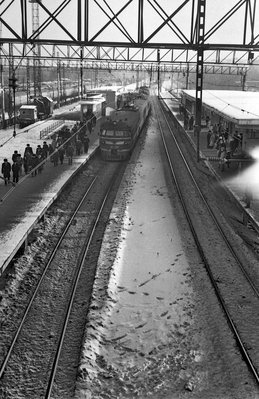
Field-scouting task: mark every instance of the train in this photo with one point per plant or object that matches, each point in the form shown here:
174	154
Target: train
40	108
120	130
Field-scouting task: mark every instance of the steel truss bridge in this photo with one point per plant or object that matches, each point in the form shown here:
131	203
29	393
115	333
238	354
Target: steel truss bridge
131	31
162	35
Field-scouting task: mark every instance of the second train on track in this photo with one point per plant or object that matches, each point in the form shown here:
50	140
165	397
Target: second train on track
120	130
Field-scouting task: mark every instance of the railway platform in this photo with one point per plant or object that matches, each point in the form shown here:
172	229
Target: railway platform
23	205
240	177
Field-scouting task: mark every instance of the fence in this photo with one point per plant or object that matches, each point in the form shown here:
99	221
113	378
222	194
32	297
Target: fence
49	129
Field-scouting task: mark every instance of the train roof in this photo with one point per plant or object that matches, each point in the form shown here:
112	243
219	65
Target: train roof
106	88
241	107
124	118
28	106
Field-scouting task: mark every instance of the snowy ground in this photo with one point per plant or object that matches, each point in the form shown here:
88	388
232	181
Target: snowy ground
150	332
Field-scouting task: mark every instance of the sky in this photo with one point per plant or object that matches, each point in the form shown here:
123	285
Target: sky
68	17
230	32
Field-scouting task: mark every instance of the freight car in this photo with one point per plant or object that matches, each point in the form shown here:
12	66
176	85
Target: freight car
119	131
41	108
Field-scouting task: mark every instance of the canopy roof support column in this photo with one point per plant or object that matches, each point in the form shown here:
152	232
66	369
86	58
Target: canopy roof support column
199	70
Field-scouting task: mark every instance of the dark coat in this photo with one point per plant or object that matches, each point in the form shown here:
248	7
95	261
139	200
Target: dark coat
15	168
6	169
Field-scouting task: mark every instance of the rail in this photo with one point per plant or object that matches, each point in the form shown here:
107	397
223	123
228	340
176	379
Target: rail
49	129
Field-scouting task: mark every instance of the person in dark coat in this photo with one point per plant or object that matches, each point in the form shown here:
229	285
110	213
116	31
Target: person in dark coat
86	144
69	153
40	163
51	149
20	163
45	149
28	150
34	161
38	150
54	158
15	170
78	147
61	154
14	156
6	171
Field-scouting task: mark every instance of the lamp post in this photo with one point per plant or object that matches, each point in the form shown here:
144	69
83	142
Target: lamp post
13	85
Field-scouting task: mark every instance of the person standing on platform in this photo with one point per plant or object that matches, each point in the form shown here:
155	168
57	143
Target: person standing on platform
15	170
45	149
51	149
28	152
6	171
20	163
69	153
55	157
34	161
61	154
41	158
38	150
78	147
14	156
86	144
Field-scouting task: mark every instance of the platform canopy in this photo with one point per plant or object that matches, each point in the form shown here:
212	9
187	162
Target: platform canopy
240	107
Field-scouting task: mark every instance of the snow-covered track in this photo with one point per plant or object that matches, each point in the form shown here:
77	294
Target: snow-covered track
237	289
47	342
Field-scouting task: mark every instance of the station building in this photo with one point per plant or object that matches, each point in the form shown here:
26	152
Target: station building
237	111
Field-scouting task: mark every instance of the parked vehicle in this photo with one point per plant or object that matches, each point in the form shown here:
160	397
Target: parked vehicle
41	108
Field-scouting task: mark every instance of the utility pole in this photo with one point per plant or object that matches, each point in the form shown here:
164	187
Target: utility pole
158	71
37	49
13	85
200	32
3	95
2	81
58	81
243	80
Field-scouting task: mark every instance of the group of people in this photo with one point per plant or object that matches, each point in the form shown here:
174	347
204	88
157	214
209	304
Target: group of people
225	144
33	161
188	119
28	162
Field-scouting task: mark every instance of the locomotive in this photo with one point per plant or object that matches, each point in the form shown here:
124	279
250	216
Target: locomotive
119	131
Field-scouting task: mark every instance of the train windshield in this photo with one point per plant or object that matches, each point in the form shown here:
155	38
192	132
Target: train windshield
115	133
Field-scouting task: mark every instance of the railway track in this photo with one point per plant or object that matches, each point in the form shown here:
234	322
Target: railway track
42	355
229	270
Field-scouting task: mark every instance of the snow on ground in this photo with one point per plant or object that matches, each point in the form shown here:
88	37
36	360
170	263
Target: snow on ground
28	135
134	323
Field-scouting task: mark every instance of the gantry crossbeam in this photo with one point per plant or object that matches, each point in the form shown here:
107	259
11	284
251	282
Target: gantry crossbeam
132	30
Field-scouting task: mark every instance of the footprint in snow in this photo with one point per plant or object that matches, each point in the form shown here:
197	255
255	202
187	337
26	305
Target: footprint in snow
141	325
164	314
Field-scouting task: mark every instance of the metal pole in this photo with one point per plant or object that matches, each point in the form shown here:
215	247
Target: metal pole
14	120
3	97
199	71
81	73
158	71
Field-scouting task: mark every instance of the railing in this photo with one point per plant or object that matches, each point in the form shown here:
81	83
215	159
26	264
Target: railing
49	129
